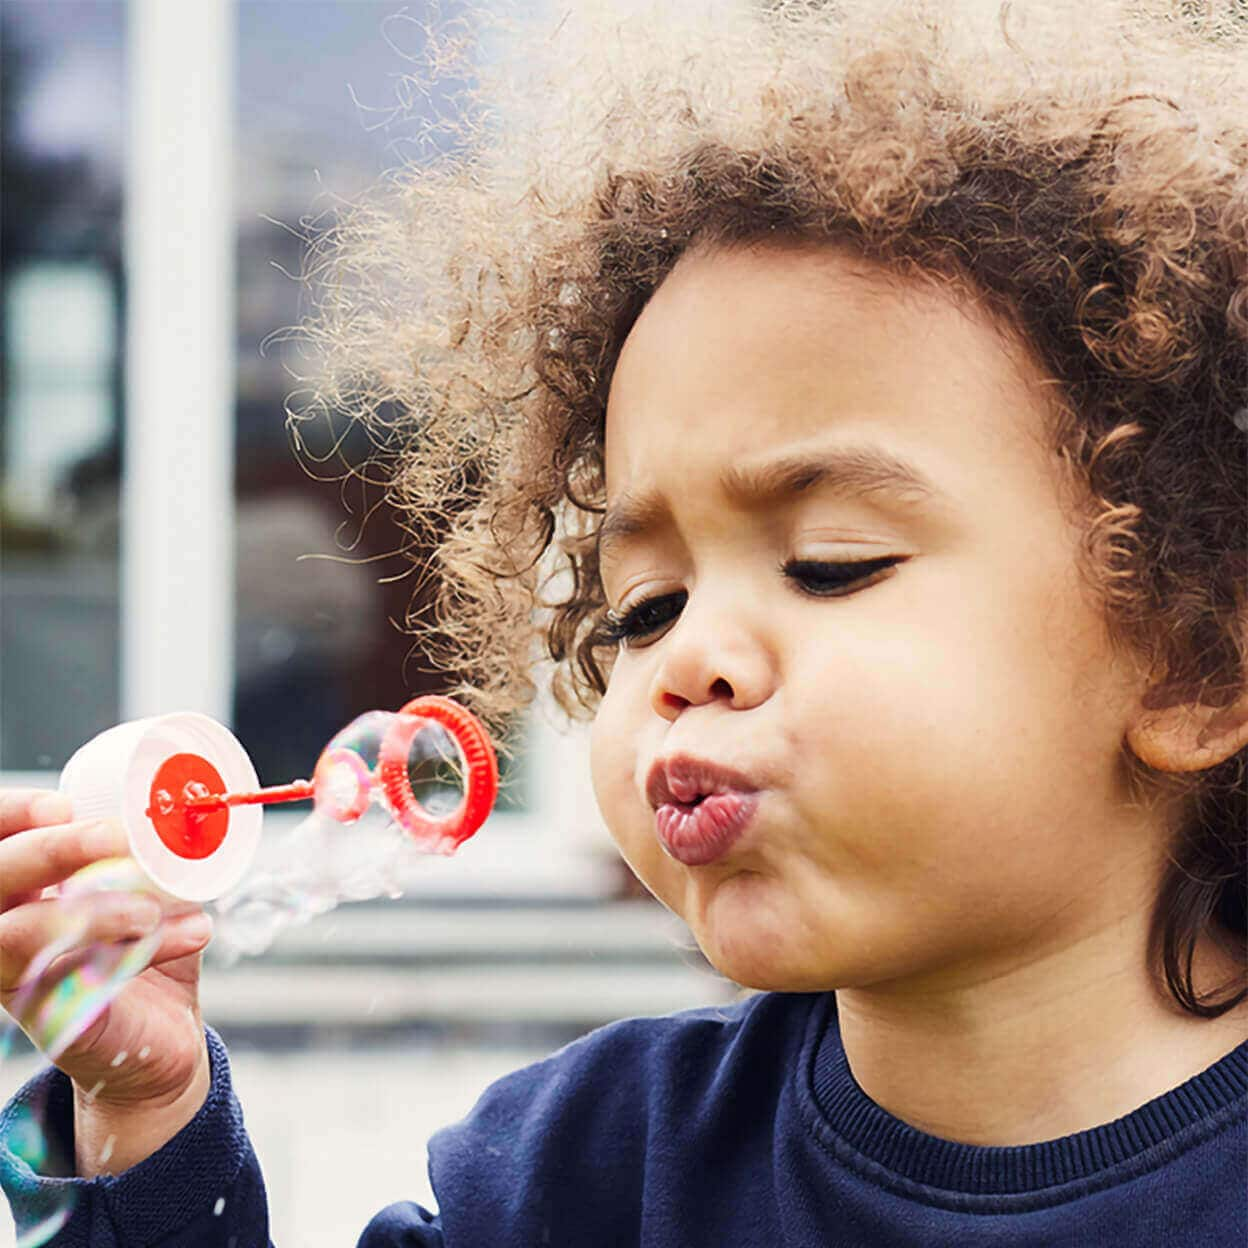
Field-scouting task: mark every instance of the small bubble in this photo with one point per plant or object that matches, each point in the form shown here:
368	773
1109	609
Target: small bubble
277	645
1240	420
107	1151
26	1139
121	1057
34	1236
216	1209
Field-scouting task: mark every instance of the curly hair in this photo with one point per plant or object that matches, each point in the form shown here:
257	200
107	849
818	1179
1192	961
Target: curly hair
1088	180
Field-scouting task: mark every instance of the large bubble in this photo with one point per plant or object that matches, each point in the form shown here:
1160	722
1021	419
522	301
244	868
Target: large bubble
65	988
68	984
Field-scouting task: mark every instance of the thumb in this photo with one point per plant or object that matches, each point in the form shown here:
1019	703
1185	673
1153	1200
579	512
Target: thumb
183	941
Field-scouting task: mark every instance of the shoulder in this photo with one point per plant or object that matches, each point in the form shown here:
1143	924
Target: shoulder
706	1030
568	1140
637	1070
710	1030
683	1043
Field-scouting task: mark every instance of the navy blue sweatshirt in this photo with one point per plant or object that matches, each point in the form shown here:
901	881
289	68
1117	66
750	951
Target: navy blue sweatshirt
721	1127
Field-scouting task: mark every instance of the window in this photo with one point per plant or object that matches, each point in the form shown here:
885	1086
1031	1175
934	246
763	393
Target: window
61	321
163	549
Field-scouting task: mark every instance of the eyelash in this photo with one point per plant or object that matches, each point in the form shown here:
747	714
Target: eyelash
631	626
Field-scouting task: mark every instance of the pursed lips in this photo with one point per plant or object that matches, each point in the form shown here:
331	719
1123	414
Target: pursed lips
682	779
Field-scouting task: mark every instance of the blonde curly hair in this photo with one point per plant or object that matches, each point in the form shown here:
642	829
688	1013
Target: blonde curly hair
1089	179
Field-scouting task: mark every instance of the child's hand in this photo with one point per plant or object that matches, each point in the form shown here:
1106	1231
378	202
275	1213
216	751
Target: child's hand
140	1070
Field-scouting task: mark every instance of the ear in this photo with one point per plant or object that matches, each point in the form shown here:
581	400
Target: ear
1189	736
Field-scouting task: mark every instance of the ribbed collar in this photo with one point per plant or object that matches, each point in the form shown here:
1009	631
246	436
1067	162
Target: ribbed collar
1175	1120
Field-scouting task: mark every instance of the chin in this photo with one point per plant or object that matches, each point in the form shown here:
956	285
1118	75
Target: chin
762	964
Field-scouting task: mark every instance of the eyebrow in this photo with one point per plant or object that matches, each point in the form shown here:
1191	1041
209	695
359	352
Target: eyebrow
850	471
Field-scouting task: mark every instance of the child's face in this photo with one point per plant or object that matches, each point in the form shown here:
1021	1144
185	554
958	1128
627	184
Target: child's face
937	750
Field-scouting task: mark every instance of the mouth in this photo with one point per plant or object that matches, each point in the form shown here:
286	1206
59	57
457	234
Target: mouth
696	835
701	808
686	780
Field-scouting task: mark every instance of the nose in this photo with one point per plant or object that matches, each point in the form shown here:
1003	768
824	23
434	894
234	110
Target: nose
709	655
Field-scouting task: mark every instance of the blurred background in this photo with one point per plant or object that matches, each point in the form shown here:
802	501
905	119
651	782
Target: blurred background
162	165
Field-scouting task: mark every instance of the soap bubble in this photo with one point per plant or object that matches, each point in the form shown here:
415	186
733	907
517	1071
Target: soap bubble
63	991
316	865
68	985
363	736
116	875
82	994
357	770
344	775
38	1235
24	1139
344	785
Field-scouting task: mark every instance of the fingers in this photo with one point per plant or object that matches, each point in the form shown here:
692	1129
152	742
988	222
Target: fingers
21	809
105	918
180	938
42	856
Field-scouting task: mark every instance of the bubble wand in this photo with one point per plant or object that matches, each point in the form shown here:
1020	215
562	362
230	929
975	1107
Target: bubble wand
189	798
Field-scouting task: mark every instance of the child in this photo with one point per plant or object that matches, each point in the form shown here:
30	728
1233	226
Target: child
861	399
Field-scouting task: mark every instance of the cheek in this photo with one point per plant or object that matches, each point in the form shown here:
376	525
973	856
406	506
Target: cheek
962	744
612	761
888	757
616	739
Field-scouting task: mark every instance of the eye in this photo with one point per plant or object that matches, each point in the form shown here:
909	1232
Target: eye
640	620
828	580
815	577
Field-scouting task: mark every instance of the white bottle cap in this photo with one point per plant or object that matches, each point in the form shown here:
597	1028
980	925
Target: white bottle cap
111	776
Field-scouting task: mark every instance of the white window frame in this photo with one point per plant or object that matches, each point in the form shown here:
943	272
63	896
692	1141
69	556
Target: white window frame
177	492
177	532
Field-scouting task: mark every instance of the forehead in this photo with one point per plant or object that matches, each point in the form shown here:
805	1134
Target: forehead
745	355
